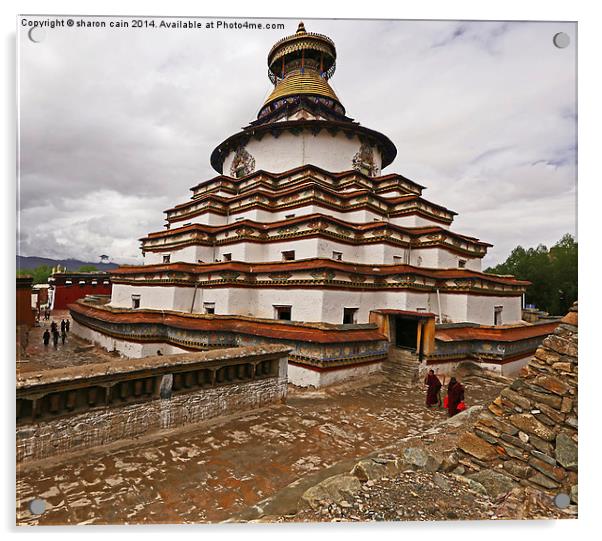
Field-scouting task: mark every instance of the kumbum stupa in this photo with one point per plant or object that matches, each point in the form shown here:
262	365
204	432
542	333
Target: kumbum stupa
302	240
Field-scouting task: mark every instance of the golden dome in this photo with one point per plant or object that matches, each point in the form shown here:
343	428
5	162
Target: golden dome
312	44
308	82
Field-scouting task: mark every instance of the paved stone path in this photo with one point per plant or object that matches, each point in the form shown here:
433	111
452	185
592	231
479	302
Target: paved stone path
75	351
210	472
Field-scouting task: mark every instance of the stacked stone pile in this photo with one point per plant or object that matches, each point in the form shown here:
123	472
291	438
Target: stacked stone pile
528	434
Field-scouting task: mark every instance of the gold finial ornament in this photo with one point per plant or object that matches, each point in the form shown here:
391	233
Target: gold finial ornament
301	28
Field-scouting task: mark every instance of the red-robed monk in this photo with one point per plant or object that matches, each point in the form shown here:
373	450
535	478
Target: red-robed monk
455	395
433	384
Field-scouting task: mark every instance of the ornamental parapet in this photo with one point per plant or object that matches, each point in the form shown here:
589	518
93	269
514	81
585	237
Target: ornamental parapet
312	225
304	175
310	195
321	273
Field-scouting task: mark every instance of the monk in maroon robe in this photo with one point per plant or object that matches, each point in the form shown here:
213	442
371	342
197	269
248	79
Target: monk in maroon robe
455	395
433	389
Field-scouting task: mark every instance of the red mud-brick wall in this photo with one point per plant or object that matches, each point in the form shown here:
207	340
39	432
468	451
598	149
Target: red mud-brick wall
25	313
65	295
529	432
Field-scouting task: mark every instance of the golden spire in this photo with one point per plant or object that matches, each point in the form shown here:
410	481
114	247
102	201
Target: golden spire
302	63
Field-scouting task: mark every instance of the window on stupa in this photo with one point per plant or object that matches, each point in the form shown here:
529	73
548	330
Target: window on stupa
349	316
337	256
397	260
227	257
166	259
289	216
209	307
497	315
135	301
288	255
283	312
462	263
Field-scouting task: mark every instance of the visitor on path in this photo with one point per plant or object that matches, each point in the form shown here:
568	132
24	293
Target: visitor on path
63	336
455	395
62	326
67	324
53	327
55	338
433	390
46	337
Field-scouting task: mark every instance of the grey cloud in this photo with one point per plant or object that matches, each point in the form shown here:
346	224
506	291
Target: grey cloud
114	127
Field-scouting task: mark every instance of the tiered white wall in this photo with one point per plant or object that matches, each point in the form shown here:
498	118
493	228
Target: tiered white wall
263	216
314	305
375	254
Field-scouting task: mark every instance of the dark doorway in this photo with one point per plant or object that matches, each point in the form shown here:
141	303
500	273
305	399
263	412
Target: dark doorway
406	332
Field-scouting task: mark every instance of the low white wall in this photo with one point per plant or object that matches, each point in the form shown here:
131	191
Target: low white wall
132	350
303	377
508	369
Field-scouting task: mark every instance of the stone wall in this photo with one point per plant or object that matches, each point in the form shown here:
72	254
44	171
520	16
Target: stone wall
83	407
528	434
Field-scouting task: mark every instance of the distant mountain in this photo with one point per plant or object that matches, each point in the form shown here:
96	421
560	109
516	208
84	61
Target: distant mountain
71	264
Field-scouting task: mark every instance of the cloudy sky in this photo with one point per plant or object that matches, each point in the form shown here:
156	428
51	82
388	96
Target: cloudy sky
117	124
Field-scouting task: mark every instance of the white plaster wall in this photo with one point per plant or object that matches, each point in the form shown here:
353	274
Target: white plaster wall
480	309
183	297
288	151
507	369
306	304
314	305
413	220
303	377
190	254
444	259
335	301
453	307
153	297
241	301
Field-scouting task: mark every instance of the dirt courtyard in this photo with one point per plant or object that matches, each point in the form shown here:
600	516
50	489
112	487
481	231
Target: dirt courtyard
210	472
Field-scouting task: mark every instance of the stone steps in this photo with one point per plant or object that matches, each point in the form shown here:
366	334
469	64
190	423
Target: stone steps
401	365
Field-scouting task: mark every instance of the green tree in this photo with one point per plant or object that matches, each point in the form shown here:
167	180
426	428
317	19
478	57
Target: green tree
40	274
87	268
552	273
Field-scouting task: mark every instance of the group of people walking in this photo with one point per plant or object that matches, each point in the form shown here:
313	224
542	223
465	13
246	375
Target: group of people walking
454	402
54	330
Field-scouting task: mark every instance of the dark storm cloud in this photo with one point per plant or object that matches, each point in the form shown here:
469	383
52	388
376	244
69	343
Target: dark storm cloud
115	127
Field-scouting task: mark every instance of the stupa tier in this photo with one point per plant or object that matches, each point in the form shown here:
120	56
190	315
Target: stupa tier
301	239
